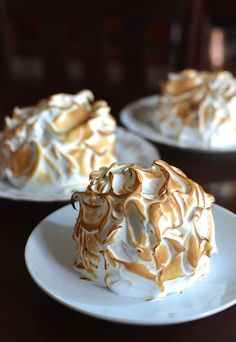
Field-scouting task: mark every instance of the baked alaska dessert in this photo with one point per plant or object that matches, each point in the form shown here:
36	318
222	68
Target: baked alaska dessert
54	145
198	108
143	232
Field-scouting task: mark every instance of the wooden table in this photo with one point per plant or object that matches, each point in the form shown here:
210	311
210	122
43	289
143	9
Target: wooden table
28	314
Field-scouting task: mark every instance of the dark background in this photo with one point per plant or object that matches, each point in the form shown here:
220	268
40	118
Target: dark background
118	49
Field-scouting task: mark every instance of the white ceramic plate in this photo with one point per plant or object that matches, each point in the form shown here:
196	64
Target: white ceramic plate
50	253
135	116
130	148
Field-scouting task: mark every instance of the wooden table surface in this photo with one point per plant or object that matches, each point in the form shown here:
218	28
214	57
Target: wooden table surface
28	314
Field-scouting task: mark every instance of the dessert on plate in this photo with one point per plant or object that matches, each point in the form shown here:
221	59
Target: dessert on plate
198	107
54	145
143	232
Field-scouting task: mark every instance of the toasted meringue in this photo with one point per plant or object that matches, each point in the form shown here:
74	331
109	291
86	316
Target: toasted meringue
198	107
143	232
57	143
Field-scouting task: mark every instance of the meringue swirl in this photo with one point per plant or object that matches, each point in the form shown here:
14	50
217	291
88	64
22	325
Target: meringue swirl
57	143
198	107
143	232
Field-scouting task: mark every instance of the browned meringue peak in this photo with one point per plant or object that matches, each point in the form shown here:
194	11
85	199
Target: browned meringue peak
61	139
186	91
153	222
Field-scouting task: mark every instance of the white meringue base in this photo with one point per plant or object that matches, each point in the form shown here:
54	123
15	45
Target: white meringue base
125	283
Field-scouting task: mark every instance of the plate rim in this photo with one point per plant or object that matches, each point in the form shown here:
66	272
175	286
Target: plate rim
129	321
129	120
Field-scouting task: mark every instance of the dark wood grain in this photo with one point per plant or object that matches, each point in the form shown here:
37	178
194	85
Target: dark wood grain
28	314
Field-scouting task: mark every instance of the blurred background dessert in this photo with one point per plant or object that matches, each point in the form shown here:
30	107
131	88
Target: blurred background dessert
54	145
198	108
